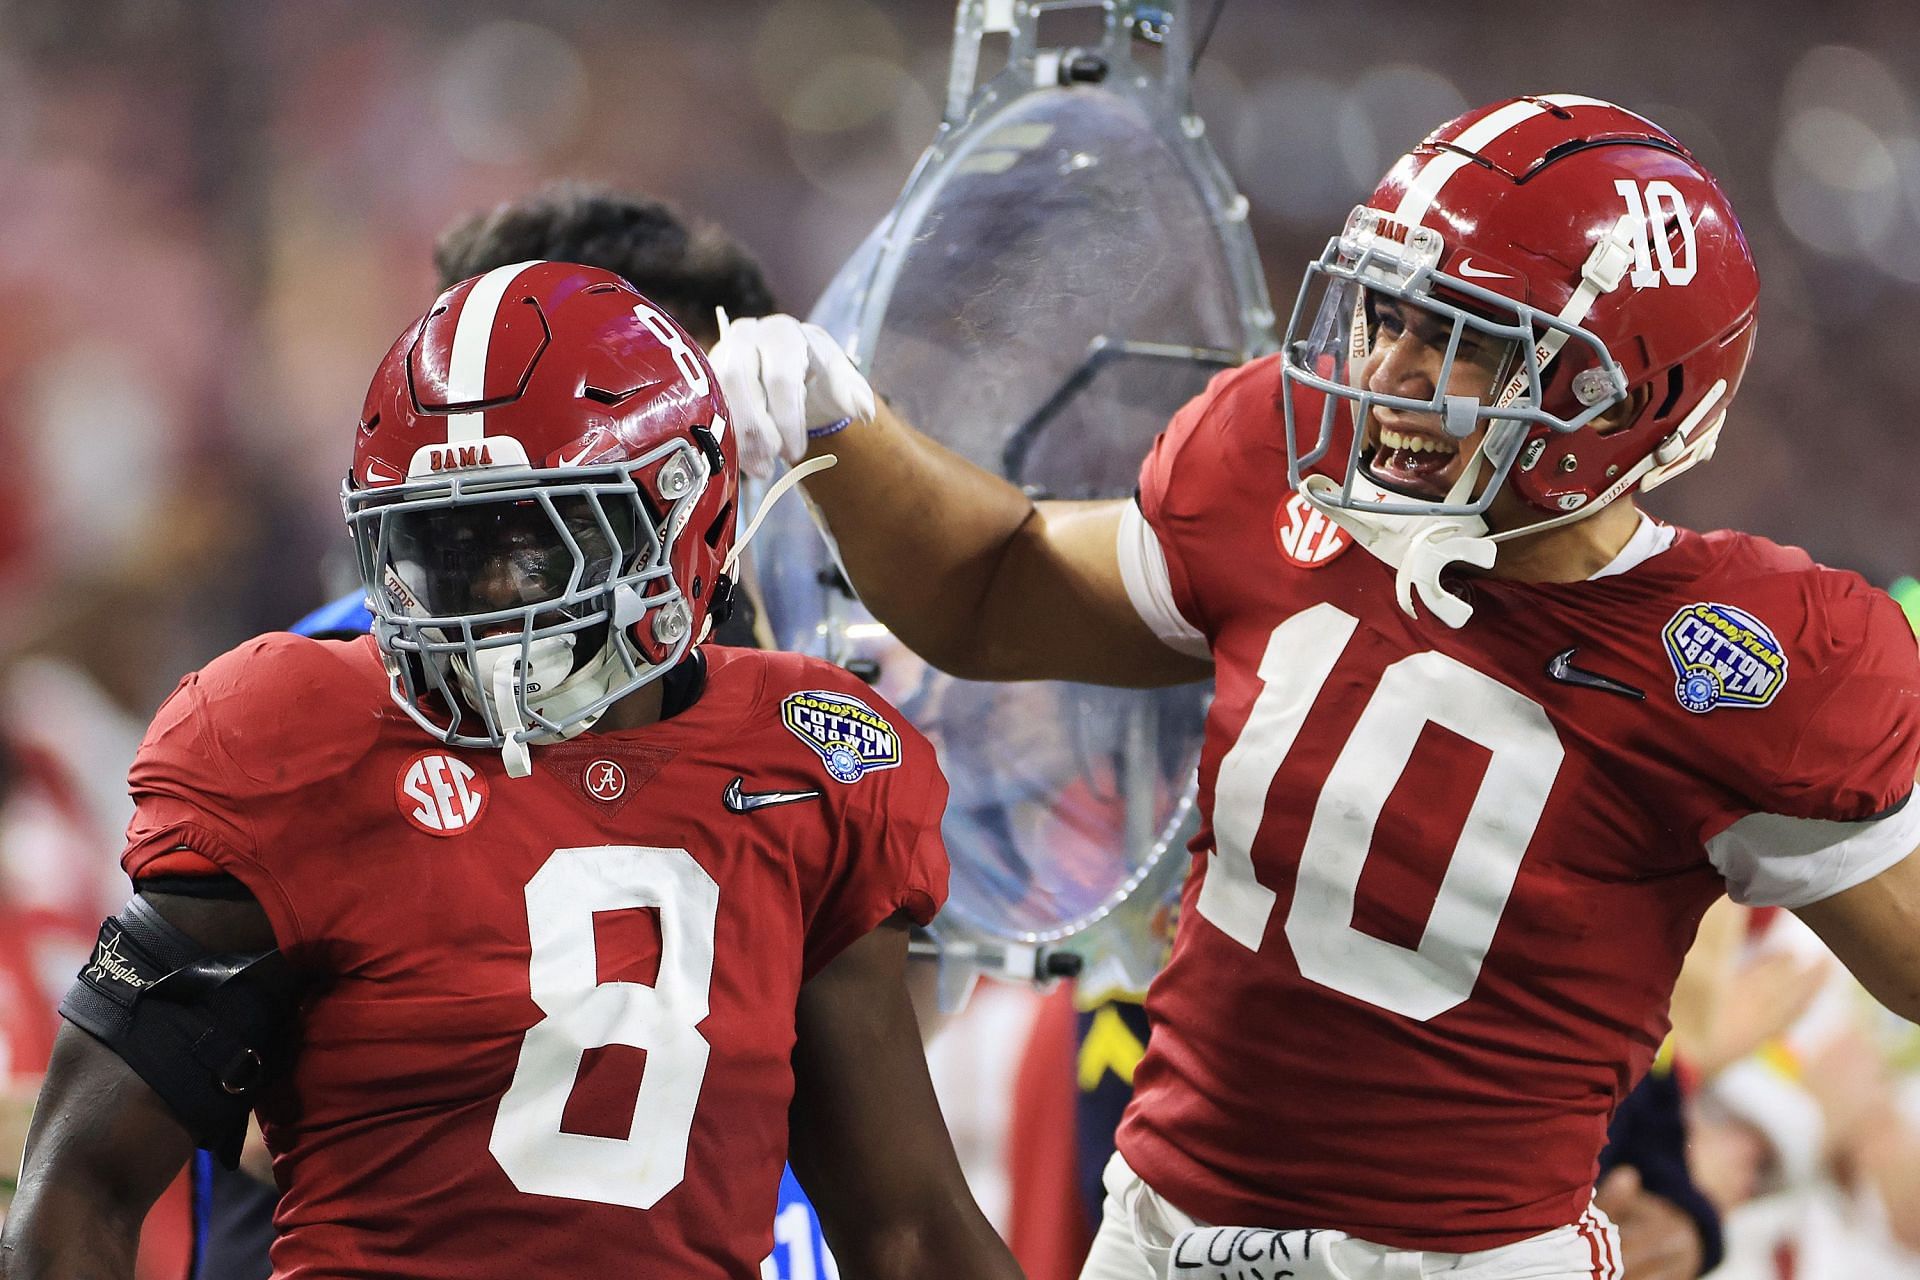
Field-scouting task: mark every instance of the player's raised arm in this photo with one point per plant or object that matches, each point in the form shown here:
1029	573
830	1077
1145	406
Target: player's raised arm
104	1142
867	1140
968	571
1874	928
1846	863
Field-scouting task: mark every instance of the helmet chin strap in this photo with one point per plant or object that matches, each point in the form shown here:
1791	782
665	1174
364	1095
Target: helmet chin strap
561	691
1417	547
777	490
1420	548
515	753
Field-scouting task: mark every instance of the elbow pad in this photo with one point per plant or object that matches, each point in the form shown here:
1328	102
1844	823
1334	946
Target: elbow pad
205	1031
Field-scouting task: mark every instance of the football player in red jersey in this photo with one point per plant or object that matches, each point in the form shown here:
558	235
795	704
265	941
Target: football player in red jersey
574	908
1487	740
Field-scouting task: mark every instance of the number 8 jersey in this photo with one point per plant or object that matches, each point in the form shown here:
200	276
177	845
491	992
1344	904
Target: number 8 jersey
1445	879
551	1018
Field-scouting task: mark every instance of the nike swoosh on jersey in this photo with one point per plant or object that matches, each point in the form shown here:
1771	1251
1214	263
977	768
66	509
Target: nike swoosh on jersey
1560	667
739	801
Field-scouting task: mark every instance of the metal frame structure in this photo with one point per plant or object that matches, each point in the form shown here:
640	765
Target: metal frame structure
1145	57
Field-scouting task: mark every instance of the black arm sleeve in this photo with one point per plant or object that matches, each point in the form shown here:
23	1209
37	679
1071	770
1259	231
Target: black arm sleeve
225	888
205	1031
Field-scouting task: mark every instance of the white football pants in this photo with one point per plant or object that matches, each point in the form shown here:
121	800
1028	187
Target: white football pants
1138	1228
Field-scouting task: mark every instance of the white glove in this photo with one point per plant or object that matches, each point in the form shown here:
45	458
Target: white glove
782	379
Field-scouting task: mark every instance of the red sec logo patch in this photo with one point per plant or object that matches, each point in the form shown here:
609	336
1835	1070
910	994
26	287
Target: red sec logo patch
441	794
1305	536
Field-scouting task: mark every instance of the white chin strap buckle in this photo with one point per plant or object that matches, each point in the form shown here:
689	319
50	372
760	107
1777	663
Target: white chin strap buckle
1417	548
514	753
1428	554
498	680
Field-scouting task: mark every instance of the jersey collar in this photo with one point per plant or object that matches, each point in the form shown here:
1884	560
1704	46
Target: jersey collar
1649	539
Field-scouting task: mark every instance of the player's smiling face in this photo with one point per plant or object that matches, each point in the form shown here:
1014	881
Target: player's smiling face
1411	453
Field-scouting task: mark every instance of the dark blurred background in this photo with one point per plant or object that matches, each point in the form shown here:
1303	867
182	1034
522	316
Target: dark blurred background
215	216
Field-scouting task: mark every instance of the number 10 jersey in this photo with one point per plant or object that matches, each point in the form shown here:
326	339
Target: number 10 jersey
551	1019
1445	878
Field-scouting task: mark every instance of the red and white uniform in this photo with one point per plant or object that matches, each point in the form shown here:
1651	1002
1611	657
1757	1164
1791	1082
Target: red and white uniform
1440	896
552	1017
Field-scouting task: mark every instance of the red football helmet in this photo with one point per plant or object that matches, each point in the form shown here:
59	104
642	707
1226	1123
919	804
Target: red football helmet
542	499
1583	243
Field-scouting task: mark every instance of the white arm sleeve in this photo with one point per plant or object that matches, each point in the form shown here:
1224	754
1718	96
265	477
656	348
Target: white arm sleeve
1143	567
1773	861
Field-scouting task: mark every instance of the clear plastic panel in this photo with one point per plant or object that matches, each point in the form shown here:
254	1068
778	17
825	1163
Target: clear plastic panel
1052	295
1067	229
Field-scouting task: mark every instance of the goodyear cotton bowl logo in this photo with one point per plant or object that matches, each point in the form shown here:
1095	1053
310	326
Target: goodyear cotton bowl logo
1724	657
850	736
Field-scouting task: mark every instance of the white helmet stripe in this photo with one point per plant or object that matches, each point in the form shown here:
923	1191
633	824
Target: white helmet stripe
1425	187
1420	193
467	367
1579	100
1426	184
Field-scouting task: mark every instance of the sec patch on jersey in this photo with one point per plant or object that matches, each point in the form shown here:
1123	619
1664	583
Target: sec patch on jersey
440	793
850	737
1723	657
1306	535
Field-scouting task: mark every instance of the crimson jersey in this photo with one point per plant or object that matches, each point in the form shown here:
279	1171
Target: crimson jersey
1445	879
551	1021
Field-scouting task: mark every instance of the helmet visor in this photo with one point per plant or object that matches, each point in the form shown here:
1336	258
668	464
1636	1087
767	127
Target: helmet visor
1439	378
488	557
1410	388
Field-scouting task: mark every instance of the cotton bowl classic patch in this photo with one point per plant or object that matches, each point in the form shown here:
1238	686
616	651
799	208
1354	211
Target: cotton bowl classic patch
850	736
1723	657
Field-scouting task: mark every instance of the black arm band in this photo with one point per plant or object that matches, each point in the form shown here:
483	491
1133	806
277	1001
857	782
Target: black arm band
204	1031
223	888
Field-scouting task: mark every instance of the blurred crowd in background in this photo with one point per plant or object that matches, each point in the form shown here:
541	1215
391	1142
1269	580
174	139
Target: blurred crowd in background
215	215
215	218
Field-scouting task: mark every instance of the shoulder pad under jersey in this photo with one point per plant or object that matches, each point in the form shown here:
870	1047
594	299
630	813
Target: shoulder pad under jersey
287	711
1841	740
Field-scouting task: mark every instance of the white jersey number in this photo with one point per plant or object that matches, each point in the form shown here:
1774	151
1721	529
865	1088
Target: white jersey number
1660	207
1420	689
584	1013
691	367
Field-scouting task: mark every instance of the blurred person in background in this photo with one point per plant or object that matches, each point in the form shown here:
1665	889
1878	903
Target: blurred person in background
542	578
1544	307
71	688
34	944
1723	1008
1810	1141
